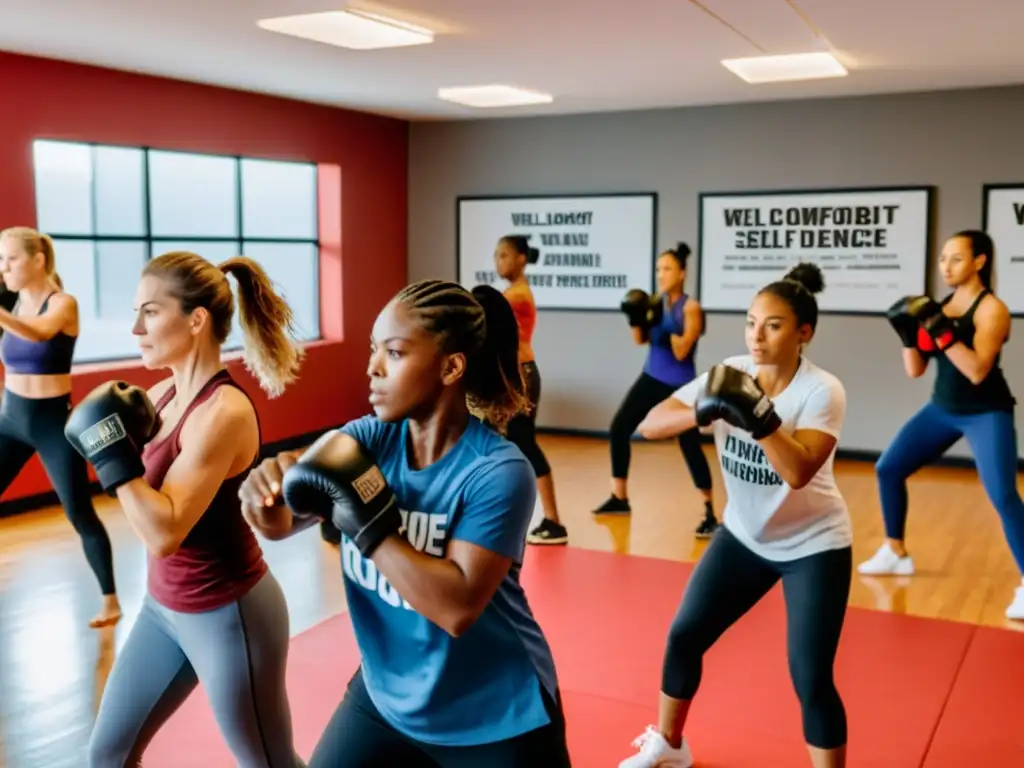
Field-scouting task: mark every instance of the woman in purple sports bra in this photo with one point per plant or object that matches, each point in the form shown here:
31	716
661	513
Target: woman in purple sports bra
36	349
677	325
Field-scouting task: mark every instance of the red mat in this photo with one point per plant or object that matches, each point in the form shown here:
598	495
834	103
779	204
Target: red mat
983	722
904	680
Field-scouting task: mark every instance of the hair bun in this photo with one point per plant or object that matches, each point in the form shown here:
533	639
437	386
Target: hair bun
808	275
682	250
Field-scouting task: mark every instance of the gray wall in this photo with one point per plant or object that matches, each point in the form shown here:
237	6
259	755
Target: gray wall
955	140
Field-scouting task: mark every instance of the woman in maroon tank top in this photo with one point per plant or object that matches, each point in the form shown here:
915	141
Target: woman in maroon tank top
213	612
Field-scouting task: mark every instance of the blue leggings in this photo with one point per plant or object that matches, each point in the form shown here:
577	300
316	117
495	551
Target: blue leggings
929	434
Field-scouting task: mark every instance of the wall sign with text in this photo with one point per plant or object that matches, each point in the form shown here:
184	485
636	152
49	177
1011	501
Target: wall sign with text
871	245
593	248
1003	219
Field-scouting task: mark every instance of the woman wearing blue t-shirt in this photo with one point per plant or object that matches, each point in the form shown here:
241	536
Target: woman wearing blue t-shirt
671	326
434	507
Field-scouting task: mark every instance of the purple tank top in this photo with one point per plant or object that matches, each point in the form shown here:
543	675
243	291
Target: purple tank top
661	362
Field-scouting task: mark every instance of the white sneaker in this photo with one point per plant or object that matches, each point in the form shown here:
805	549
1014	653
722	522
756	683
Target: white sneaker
885	562
1016	609
656	752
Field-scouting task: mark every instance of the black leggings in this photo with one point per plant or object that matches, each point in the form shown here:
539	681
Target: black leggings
358	737
28	426
727	582
522	430
646	393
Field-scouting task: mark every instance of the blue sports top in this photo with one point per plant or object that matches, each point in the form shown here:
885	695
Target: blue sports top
485	685
53	356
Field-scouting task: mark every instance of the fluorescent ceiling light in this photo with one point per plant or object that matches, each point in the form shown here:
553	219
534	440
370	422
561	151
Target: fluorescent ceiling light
349	29
493	96
775	69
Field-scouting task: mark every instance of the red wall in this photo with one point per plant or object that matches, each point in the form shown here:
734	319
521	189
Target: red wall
362	206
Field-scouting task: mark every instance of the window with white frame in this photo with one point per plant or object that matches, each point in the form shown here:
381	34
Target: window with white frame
108	209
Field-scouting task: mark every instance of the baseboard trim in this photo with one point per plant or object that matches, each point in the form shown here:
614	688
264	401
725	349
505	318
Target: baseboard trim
850	454
49	498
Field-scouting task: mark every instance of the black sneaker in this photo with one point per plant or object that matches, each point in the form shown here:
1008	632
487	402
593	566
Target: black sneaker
548	532
709	525
706	529
614	506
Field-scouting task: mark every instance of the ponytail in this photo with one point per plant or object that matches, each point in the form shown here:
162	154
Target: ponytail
266	322
49	255
495	387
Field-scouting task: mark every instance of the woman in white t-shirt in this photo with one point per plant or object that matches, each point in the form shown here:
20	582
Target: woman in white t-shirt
776	418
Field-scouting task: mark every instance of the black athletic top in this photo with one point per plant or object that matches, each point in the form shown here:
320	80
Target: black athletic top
954	392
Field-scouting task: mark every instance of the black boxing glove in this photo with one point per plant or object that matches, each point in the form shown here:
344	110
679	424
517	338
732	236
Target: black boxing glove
905	316
656	310
636	305
735	397
109	428
336	480
7	299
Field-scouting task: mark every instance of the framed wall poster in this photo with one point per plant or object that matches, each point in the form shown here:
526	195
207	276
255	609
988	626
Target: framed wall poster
1002	216
593	247
872	245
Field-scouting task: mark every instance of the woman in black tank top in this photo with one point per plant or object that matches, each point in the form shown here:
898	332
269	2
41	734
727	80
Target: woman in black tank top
965	334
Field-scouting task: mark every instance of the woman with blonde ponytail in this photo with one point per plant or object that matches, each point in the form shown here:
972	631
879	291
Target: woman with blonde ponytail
176	456
37	345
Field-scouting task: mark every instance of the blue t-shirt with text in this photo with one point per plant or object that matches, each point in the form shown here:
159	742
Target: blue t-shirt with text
484	685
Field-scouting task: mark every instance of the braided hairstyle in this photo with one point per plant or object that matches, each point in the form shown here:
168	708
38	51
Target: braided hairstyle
481	325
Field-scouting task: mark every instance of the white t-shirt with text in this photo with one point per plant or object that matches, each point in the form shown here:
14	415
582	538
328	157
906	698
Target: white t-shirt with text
768	516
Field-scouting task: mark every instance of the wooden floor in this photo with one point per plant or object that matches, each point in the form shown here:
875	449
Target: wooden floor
53	667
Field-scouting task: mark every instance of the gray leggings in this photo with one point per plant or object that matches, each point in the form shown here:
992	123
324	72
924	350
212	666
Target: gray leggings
239	652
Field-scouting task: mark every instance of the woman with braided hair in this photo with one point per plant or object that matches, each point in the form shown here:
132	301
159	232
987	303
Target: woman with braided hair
433	504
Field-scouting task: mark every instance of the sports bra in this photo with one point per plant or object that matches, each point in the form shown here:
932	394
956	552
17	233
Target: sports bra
51	357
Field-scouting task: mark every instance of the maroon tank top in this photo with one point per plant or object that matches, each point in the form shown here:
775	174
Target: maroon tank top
220	559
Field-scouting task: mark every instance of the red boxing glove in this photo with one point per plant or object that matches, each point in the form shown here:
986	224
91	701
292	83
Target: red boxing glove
924	341
942	331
